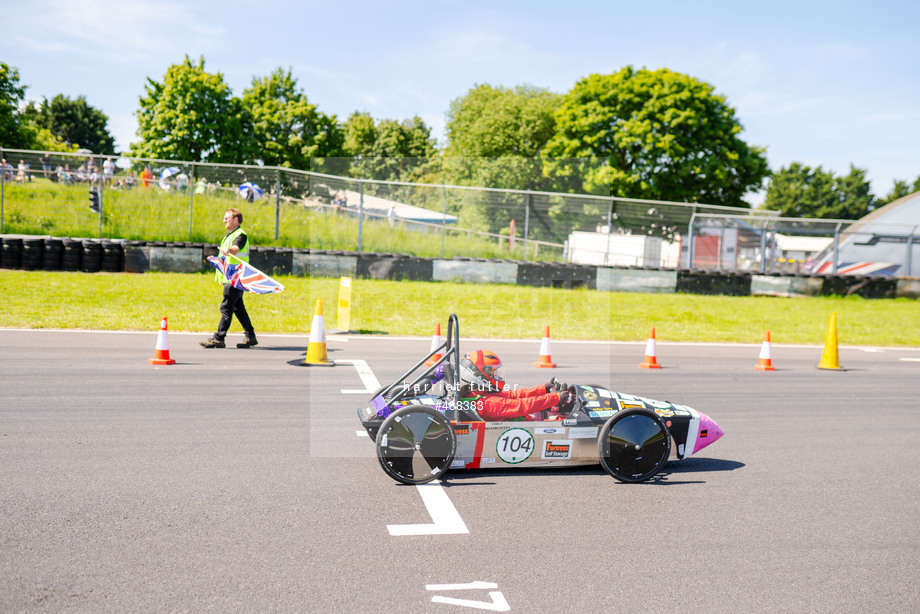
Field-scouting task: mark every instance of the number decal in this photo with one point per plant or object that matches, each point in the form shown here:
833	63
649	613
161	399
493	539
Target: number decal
515	445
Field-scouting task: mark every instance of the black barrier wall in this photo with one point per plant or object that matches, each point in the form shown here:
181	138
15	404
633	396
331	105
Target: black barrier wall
91	256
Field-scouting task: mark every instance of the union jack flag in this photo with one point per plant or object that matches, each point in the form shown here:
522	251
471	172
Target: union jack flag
244	276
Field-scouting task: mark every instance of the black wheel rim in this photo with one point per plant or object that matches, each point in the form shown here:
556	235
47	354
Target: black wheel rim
635	447
416	446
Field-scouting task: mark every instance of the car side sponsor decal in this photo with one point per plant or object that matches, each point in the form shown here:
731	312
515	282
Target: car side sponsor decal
583	432
606	413
636	404
557	448
514	445
549	431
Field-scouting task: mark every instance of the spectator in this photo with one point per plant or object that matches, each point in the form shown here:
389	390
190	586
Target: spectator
108	169
201	186
130	180
182	182
6	170
46	165
21	172
391	216
338	205
81	172
146	177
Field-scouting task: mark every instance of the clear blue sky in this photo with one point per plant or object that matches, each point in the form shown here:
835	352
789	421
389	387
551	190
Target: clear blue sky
824	83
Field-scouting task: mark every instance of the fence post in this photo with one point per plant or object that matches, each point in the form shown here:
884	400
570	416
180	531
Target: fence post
191	201
277	201
2	193
910	251
361	215
836	246
609	232
527	222
690	242
99	179
444	222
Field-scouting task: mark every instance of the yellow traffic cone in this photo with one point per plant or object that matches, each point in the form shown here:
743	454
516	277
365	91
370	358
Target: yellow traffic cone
316	350
829	359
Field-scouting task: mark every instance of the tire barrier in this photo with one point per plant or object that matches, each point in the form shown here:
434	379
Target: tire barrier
54	255
33	251
113	257
12	253
72	258
91	256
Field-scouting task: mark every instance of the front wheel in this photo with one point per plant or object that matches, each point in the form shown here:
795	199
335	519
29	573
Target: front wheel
416	444
634	445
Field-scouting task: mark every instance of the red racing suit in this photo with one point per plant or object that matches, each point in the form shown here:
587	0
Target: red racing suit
510	404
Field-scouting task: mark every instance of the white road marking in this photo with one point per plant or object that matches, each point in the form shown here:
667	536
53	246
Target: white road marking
446	520
498	603
911	359
362	434
364	372
460	587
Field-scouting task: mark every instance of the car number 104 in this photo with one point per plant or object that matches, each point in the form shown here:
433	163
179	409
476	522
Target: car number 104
515	445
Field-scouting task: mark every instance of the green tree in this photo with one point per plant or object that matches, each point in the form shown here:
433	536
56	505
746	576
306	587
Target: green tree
800	191
388	149
74	122
192	115
287	129
900	189
495	136
659	135
12	132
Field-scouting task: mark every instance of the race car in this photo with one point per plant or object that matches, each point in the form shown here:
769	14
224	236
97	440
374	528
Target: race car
423	429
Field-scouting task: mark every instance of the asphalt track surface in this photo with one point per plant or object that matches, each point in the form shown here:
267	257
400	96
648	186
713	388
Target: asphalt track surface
235	481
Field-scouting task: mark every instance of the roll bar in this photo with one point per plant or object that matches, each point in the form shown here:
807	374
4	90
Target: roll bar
451	352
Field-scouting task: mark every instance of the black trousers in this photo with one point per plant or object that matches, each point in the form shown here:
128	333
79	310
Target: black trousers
232	305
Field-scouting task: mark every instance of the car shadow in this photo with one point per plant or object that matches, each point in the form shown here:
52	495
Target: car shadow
675	468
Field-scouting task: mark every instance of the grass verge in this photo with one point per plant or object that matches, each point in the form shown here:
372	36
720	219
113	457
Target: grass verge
121	301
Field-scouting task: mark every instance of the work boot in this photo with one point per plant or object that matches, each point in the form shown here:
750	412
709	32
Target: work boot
248	341
213	342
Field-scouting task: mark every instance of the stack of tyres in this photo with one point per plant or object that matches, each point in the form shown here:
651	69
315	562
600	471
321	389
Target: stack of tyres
33	251
54	255
112	257
73	255
92	256
11	257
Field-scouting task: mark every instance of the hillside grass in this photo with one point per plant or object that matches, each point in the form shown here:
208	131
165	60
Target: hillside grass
45	208
122	301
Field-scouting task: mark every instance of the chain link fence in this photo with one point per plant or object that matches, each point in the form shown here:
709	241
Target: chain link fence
169	200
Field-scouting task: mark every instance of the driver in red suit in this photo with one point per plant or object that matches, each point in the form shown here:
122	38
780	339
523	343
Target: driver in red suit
483	384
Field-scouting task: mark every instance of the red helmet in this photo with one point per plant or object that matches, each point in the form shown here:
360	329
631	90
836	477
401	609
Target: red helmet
483	370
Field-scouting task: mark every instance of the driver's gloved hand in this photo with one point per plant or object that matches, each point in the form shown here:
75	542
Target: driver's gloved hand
567	397
555	385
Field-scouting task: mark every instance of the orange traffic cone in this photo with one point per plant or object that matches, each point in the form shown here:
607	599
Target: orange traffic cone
435	342
545	361
650	362
161	354
316	350
765	363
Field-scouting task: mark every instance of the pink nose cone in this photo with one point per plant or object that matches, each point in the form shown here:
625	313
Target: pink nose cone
709	433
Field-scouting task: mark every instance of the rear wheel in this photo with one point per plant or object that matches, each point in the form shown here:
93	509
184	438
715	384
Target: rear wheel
416	444
634	445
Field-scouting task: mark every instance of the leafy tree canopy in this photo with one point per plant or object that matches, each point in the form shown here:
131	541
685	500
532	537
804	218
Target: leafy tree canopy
495	136
800	191
192	115
287	129
74	122
661	135
900	189
12	93
387	149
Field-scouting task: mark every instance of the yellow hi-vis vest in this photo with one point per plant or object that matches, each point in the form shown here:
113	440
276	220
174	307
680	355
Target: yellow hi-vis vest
243	254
